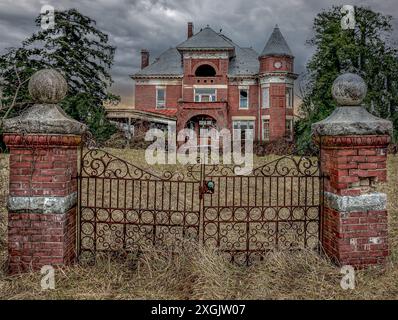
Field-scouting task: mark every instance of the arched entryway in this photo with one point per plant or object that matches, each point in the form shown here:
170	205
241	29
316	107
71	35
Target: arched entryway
201	124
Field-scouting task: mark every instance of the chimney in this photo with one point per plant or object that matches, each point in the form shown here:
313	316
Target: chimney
190	29
144	58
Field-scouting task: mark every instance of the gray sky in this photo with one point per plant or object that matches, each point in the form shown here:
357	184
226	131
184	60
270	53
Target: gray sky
160	24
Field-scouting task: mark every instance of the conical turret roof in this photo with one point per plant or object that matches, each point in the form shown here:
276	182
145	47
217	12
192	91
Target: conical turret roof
276	45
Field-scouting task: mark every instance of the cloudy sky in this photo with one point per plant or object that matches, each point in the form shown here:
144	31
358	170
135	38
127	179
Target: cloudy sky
160	24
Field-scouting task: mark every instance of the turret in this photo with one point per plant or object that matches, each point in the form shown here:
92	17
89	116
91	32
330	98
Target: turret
276	55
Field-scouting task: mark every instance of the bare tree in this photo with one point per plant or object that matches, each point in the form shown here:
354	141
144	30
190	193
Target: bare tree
11	106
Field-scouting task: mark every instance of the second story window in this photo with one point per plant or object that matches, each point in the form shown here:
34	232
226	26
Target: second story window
265	97
160	98
244	99
289	97
205	95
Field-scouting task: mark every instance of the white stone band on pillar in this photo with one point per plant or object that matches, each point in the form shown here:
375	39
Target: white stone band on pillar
371	201
45	205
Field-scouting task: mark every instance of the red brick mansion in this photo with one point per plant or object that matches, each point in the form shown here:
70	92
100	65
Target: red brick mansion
210	81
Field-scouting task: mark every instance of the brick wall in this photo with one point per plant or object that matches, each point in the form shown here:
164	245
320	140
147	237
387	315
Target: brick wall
353	170
356	238
267	64
40	172
37	239
353	232
42	200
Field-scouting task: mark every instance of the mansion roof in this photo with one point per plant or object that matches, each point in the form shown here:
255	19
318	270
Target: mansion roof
243	61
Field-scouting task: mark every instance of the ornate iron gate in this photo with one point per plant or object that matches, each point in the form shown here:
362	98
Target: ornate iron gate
126	208
277	206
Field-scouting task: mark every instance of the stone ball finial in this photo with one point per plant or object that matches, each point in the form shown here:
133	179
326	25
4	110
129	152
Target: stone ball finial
349	89
47	86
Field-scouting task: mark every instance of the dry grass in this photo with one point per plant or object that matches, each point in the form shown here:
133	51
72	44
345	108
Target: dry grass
197	273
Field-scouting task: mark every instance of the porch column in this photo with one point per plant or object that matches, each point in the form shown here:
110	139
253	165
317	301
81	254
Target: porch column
353	160
43	144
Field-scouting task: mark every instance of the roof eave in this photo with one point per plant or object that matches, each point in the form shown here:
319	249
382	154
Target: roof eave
152	76
206	49
282	73
245	76
289	55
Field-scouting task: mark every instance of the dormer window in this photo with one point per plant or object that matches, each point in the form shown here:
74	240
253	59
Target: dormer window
205	70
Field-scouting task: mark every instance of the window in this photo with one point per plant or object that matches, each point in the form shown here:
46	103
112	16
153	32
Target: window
289	129
265	94
160	98
205	95
244	128
243	99
265	129
205	70
289	97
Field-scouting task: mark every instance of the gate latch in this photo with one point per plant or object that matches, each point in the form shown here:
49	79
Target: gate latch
207	187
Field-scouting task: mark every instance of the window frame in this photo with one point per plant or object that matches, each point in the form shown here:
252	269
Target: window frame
263	130
289	102
158	106
268	100
253	122
213	96
247	99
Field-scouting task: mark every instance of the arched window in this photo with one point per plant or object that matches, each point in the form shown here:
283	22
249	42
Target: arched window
205	70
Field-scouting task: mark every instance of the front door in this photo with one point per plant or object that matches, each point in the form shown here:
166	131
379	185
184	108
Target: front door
201	125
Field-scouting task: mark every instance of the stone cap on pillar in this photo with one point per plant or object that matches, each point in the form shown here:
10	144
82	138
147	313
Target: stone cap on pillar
47	88
351	118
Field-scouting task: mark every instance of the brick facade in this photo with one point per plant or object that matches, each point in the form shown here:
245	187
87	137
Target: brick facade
274	71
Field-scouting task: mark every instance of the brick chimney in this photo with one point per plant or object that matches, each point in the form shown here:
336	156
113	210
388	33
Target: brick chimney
190	29
144	58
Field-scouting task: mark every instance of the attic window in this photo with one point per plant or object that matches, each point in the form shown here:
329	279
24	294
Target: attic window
205	70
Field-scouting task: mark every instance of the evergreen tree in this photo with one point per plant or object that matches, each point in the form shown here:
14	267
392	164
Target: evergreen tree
81	52
366	50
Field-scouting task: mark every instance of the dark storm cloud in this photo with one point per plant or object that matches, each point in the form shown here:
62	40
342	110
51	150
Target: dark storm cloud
159	24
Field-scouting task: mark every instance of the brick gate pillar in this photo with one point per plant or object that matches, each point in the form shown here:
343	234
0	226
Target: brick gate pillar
43	144
353	160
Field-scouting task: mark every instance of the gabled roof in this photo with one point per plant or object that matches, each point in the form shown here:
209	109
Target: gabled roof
168	63
207	38
276	45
